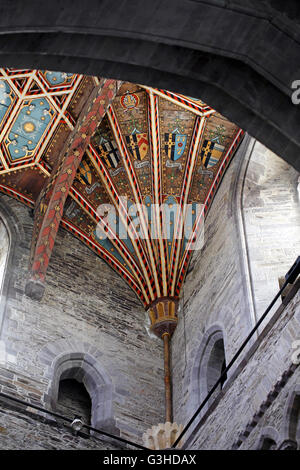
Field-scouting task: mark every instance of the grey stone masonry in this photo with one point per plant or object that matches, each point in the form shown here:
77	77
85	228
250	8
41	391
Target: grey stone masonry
256	396
22	429
216	302
89	319
214	298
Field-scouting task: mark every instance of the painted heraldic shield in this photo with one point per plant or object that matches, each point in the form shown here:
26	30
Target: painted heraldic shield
137	145
84	174
175	145
211	153
109	154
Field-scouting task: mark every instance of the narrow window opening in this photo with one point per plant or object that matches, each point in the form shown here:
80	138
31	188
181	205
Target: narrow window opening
4	248
222	371
268	444
216	365
74	401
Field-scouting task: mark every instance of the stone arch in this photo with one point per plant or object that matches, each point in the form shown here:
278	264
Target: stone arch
268	439
170	45
235	210
15	236
291	422
203	372
4	250
73	359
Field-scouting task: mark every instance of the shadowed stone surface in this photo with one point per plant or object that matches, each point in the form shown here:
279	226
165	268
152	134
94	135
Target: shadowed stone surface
86	308
35	289
216	300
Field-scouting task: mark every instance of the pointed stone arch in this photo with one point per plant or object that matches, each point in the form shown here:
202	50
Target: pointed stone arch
203	372
74	359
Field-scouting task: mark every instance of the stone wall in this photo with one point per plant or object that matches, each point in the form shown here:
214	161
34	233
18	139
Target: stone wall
21	429
88	309
256	398
216	301
4	246
4	250
214	297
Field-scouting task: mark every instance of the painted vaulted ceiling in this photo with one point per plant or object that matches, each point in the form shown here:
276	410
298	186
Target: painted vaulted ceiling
152	147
